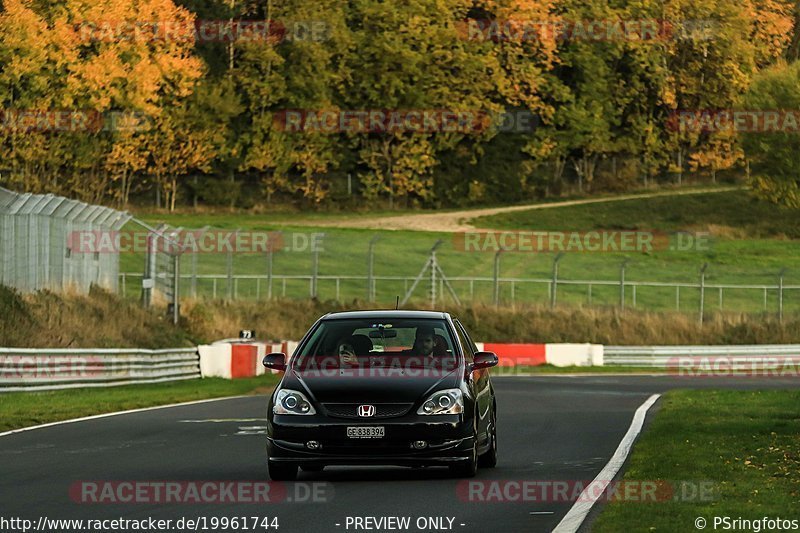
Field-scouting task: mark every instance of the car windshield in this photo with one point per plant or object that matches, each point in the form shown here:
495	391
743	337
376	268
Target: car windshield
379	342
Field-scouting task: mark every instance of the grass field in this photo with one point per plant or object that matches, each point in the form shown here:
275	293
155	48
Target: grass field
745	445
753	241
23	409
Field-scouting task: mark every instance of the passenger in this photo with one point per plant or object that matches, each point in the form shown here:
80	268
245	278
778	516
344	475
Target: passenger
350	347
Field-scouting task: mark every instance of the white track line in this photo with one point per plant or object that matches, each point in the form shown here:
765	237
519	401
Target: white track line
105	415
578	512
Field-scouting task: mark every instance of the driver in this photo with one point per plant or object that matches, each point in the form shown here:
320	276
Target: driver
346	350
424	342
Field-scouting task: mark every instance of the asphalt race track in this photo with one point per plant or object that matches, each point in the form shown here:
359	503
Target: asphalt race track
549	428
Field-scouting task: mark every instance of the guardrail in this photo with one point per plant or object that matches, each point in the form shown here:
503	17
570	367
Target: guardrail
667	356
34	369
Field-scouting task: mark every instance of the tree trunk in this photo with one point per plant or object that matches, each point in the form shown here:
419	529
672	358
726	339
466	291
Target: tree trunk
793	52
173	185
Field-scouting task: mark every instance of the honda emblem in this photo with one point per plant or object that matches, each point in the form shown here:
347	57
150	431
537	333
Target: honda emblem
366	410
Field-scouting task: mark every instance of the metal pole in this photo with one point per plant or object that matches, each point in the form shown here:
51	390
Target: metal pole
433	278
176	289
497	277
194	264
229	270
370	268
270	251
554	286
315	268
622	283
702	289
269	273
780	294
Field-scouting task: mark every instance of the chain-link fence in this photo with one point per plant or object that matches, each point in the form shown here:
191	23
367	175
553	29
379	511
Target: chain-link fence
344	265
37	248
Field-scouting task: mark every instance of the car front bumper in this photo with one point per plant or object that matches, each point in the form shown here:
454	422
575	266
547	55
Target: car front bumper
449	439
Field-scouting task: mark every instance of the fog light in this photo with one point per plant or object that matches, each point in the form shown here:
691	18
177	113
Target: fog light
313	445
419	444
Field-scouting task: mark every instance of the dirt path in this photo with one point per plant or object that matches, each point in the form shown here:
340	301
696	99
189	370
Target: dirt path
461	220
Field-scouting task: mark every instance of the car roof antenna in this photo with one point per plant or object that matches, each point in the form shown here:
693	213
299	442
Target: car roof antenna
397	303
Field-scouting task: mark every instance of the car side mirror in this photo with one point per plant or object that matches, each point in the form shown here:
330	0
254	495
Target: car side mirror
484	360
275	361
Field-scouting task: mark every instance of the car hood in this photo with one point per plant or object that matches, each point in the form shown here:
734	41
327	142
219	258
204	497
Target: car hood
387	385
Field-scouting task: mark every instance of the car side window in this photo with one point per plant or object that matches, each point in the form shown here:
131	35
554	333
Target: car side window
463	338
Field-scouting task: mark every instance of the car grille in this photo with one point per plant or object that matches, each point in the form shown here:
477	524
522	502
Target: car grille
382	410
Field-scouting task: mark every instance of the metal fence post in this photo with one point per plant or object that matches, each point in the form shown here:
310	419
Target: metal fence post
622	283
554	285
702	289
370	269
315	267
176	299
780	294
229	270
497	277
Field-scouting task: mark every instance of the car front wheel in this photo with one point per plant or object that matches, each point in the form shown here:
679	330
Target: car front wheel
489	458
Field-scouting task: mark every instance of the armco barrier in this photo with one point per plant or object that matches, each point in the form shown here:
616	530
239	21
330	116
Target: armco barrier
32	369
667	356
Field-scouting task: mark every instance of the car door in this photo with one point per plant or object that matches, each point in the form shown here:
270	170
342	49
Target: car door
482	385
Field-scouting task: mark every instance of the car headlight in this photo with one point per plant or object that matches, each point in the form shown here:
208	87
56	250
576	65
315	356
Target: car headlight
292	402
444	402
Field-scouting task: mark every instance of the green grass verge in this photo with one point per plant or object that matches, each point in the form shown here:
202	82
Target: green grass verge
23	409
754	241
746	443
733	210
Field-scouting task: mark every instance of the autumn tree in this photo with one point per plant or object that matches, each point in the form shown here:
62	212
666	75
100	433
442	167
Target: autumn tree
775	152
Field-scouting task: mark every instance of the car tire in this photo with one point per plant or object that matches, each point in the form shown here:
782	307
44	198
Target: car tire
489	458
282	471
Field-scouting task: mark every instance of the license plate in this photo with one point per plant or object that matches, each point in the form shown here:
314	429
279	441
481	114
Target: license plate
365	432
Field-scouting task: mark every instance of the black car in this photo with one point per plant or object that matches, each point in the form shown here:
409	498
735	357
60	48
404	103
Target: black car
406	388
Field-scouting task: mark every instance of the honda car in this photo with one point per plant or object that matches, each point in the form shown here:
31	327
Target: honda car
404	388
